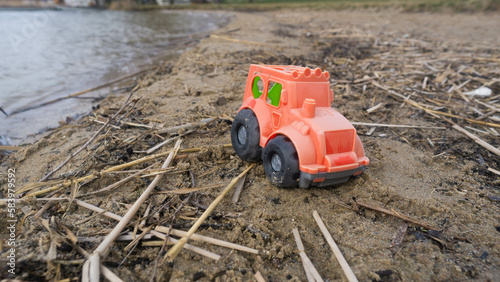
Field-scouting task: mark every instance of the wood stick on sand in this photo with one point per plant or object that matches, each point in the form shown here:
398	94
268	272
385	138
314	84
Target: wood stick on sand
175	129
397	125
300	246
158	146
259	277
336	251
308	266
174	251
398	215
103	248
153	232
206	239
90	140
478	140
238	189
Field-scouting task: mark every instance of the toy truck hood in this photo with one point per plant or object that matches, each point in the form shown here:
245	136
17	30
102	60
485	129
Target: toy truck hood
326	119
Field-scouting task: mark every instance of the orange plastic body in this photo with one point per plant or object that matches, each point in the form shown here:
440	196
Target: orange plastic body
324	139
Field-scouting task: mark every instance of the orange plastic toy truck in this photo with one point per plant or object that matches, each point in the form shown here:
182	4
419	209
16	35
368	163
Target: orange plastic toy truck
287	121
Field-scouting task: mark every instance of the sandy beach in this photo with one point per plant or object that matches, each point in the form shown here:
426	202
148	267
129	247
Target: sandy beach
437	176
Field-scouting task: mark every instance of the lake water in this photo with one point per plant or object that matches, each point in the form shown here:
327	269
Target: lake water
47	54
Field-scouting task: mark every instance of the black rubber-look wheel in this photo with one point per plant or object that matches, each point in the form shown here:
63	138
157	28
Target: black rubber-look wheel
281	162
245	136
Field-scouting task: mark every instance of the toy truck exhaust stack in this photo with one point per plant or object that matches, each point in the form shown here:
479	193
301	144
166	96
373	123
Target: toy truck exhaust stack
286	120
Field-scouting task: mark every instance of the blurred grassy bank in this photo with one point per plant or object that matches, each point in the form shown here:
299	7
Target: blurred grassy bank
461	6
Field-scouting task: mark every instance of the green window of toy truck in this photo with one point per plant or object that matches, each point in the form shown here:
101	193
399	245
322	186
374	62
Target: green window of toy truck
274	93
257	87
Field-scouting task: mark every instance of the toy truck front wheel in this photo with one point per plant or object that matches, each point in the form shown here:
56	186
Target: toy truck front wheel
281	162
245	136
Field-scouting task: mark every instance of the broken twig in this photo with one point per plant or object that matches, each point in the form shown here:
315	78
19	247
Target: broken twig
174	251
336	251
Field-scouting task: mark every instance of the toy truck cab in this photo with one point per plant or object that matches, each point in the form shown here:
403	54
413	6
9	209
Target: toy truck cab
287	121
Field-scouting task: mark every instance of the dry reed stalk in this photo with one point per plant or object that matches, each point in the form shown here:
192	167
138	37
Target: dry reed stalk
155	243
259	277
153	232
98	210
187	246
34	185
138	125
130	237
494	171
397	125
103	248
427	110
201	238
118	183
300	246
308	266
145	216
31	186
336	251
110	275
174	251
374	108
398	215
103	122
10	148
105	271
158	146
190	125
136	240
488	106
72	155
189	190
236	40
43	209
478	140
212	170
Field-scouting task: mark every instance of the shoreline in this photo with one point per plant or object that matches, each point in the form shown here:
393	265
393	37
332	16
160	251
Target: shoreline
83	106
442	185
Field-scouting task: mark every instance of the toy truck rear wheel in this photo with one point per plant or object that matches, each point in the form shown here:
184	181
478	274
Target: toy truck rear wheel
245	136
281	162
